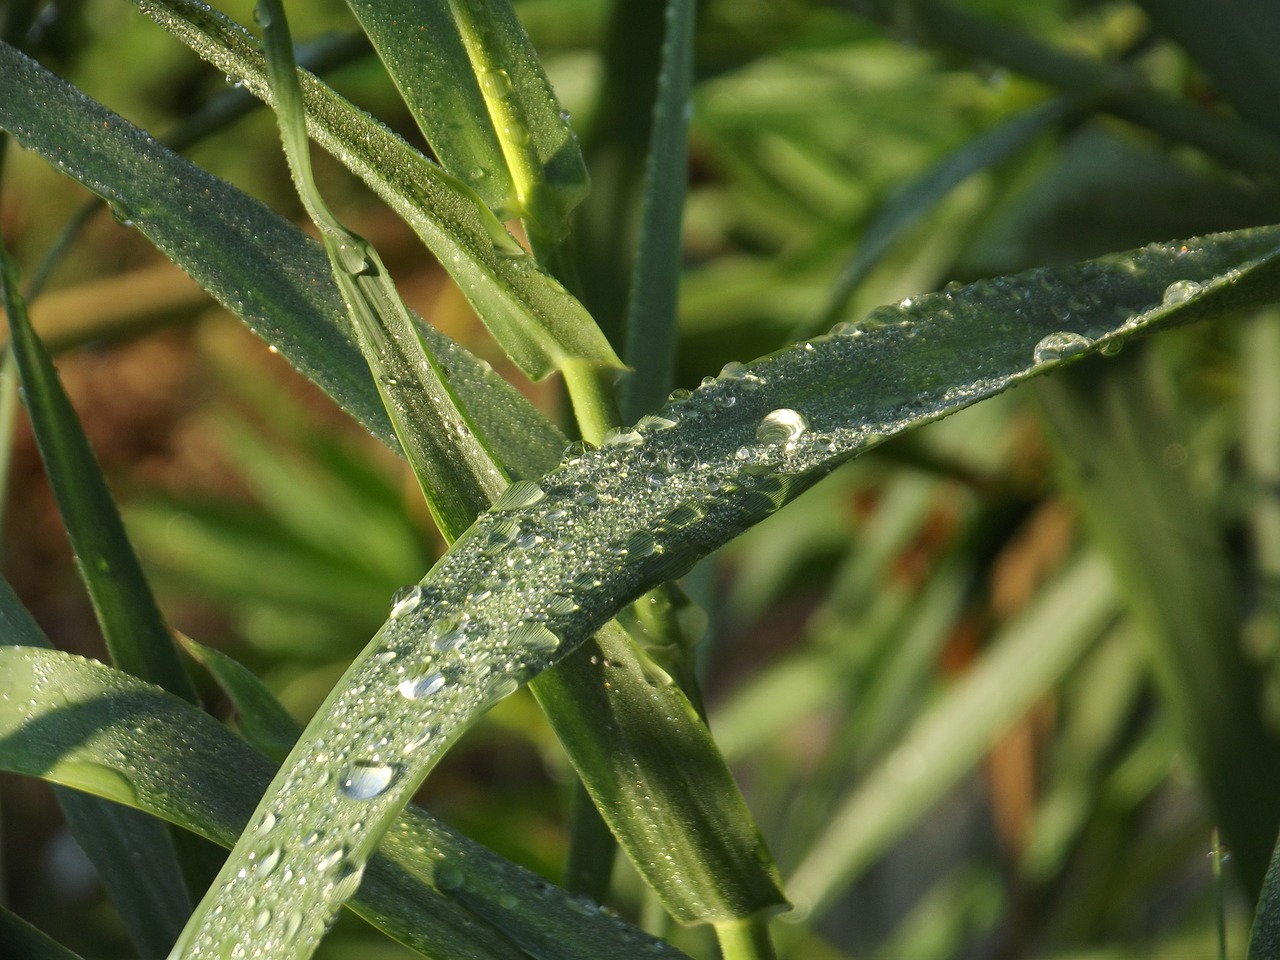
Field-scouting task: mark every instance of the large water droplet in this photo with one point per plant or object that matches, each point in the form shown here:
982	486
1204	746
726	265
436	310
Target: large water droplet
355	260
1180	291
367	779
405	600
682	459
781	426
416	688
535	638
622	437
1059	346
266	864
521	494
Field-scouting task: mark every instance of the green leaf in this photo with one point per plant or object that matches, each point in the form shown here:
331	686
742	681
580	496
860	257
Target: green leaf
263	721
502	606
79	723
535	320
655	281
256	263
136	635
20	939
153	903
455	470
1233	44
1264	940
652	773
722	848
477	90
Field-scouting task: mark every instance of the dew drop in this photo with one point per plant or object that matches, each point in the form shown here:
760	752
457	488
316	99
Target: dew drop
448	877
405	600
347	881
502	687
682	459
521	494
355	260
622	437
733	370
1060	346
424	686
535	638
367	779
1180	291
267	823
267	863
261	920
292	924
656	422
781	426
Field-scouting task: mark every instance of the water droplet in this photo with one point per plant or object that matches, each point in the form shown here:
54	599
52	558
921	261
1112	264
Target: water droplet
405	600
267	823
292	924
448	877
622	437
354	259
733	370
521	494
367	779
1060	346
1180	291
267	863
656	422
682	459
261	920
535	638
424	686
120	213
498	83
262	15
1112	347
517	133
447	635
347	881
332	859
781	426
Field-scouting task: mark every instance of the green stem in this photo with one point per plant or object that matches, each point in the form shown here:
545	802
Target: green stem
745	939
590	389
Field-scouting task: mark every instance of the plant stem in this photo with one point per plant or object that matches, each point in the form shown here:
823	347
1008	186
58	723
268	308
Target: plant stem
745	939
591	392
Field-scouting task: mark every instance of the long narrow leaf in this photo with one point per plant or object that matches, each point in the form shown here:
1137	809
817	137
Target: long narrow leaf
76	722
135	633
153	903
719	844
454	467
500	608
476	88
256	263
533	318
655	281
20	939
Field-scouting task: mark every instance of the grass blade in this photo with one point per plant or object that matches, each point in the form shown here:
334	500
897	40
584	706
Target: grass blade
535	320
257	264
455	470
478	93
153	903
726	852
20	939
135	633
655	281
495	612
76	722
956	731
